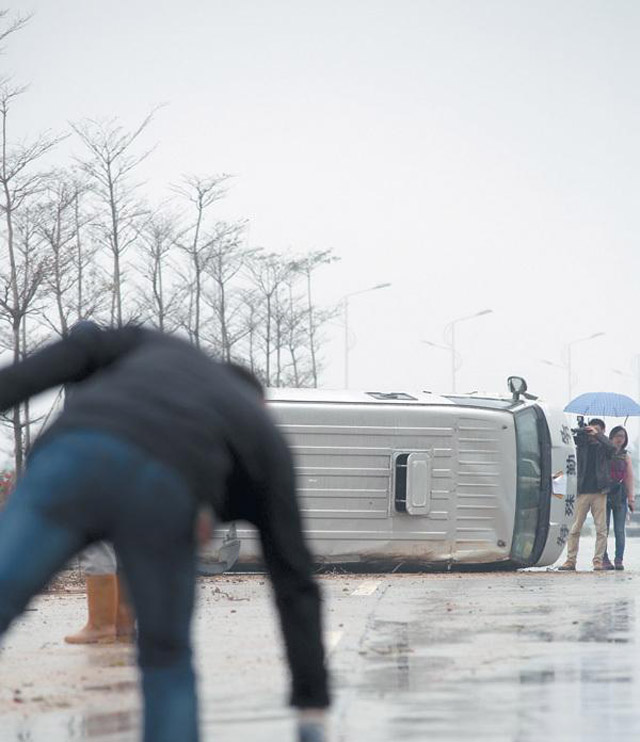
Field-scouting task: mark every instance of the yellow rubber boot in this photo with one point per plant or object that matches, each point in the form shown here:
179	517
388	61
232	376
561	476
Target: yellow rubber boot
101	605
125	618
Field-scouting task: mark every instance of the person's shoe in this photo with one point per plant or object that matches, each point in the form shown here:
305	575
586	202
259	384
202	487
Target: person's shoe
606	563
101	608
567	567
619	564
599	568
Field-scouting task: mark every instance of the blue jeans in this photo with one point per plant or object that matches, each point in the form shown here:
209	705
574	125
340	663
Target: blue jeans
619	510
85	486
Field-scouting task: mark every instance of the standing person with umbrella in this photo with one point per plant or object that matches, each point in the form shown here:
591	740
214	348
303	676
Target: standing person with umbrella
594	456
621	494
595	452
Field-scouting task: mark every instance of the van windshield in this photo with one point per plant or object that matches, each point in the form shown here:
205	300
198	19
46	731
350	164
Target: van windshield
533	486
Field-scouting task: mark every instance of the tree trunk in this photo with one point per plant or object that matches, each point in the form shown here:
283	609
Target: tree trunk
18	442
80	266
312	331
16	318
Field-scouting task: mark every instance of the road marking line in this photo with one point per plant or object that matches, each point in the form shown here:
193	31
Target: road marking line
367	588
331	639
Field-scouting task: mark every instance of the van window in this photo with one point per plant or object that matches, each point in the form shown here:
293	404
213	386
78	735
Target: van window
401	482
533	490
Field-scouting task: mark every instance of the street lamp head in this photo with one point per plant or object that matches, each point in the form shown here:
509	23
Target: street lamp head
345	304
436	345
470	316
366	291
584	339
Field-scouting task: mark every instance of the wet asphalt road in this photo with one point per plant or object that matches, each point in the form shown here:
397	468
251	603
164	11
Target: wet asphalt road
515	656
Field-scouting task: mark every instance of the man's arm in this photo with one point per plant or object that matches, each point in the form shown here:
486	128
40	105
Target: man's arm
296	592
594	434
580	440
68	360
605	442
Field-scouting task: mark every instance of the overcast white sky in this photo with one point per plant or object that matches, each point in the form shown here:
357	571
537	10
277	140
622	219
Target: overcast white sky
474	153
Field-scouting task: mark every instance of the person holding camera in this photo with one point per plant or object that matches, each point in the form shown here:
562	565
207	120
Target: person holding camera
621	494
594	454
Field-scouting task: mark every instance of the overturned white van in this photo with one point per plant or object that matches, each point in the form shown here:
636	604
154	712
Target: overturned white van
418	480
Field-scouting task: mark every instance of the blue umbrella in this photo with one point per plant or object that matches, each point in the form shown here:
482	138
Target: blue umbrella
605	404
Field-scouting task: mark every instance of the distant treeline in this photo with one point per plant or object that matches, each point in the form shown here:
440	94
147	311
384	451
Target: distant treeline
81	241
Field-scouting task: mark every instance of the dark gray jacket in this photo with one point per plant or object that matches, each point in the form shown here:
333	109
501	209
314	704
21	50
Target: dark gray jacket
168	398
603	450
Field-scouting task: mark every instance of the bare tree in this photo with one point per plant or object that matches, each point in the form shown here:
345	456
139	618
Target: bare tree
20	184
31	267
91	288
109	166
74	283
285	321
251	314
226	260
291	312
69	239
57	227
269	272
307	265
294	322
9	26
193	240
157	242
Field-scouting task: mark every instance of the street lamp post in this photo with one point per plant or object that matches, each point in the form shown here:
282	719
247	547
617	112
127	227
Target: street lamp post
569	346
568	366
635	365
450	329
345	300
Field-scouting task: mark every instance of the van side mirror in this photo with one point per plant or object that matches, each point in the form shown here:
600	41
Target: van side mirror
517	386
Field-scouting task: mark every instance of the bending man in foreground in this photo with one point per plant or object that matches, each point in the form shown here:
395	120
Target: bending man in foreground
153	430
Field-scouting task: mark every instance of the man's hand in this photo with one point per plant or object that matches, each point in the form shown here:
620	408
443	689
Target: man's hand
204	526
632	504
312	725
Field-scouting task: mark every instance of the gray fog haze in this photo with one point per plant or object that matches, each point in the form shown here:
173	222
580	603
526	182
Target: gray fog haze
475	154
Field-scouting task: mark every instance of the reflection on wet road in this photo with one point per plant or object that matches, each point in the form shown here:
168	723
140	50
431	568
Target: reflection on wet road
517	657
499	665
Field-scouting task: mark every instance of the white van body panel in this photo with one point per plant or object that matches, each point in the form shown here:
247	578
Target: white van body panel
460	463
565	484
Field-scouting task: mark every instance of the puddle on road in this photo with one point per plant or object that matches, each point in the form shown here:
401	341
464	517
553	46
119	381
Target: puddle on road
613	623
261	719
514	670
115	726
528	661
98	726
